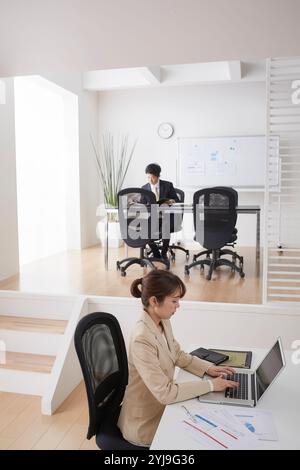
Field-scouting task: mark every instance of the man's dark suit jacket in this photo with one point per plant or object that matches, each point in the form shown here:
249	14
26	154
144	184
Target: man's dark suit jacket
166	190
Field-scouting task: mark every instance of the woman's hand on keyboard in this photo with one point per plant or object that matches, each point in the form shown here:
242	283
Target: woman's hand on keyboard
220	371
221	384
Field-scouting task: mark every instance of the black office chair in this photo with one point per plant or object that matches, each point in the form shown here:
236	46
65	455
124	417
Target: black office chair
102	355
232	241
137	216
214	211
176	226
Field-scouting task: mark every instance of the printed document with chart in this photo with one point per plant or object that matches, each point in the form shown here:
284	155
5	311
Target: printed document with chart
214	431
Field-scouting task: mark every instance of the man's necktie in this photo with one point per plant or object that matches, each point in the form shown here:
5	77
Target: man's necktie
156	193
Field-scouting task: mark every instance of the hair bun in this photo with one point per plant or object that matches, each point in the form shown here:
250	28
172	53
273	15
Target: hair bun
135	290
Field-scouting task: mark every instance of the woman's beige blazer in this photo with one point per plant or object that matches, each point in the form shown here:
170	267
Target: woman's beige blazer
152	360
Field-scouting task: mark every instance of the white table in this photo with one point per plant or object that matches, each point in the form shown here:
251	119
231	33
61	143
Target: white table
281	399
188	208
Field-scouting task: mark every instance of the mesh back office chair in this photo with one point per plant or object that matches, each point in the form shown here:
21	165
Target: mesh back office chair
102	355
214	211
137	218
178	228
232	241
175	226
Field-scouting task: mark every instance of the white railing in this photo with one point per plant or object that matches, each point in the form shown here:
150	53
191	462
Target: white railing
282	222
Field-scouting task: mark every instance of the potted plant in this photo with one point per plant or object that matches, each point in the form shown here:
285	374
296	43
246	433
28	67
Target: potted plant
112	158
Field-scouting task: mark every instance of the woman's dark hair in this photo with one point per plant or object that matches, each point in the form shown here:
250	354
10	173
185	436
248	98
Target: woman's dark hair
158	283
153	169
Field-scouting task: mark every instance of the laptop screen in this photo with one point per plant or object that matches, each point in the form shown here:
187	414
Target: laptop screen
268	369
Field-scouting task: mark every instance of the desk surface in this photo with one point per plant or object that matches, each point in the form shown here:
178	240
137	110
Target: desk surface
282	400
189	207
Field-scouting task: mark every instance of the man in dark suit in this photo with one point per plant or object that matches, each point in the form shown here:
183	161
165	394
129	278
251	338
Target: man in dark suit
162	190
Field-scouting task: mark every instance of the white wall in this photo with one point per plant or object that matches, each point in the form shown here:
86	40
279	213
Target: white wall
203	110
247	326
45	173
90	194
2	92
9	253
89	181
38	36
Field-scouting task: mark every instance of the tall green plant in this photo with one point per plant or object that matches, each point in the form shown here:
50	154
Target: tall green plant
112	159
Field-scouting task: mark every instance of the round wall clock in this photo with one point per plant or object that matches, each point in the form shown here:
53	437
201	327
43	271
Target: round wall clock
165	130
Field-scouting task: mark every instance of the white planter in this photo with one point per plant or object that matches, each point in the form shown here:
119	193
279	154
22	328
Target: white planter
114	234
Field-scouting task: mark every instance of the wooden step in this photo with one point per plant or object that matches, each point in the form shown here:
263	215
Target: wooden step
35	325
28	362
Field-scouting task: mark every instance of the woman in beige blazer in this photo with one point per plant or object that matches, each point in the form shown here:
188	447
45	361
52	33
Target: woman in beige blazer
153	355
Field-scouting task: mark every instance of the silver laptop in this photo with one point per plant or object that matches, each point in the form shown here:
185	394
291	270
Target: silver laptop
252	384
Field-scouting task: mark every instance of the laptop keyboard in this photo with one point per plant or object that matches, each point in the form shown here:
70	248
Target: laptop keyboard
240	392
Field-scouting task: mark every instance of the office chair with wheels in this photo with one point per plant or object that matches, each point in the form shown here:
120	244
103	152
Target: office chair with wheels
102	355
214	211
137	216
176	226
232	241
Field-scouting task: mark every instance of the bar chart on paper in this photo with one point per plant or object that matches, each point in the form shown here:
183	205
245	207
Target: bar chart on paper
213	431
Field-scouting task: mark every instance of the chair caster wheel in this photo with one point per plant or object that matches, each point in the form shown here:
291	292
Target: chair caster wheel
208	277
242	275
201	267
194	258
123	272
186	271
118	266
187	256
173	259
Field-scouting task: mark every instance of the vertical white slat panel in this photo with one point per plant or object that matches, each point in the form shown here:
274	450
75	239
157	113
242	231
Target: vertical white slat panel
282	228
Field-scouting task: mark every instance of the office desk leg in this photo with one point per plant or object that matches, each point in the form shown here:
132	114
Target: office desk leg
257	235
106	244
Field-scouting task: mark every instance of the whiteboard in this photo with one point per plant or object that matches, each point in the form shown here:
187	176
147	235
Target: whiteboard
222	161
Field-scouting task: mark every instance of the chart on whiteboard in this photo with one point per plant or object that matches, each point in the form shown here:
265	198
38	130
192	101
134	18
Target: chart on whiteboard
195	164
211	159
223	160
233	161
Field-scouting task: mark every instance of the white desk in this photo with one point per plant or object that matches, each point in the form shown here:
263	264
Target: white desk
188	208
282	400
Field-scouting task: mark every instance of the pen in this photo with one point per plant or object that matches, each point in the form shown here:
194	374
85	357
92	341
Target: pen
190	415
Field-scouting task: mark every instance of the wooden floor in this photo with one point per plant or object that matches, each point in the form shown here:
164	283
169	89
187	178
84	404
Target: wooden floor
22	427
82	272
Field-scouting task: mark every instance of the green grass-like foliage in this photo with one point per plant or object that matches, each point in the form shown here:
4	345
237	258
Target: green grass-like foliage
112	159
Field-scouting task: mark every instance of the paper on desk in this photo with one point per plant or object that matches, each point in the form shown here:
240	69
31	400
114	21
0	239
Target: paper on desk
217	432
259	422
